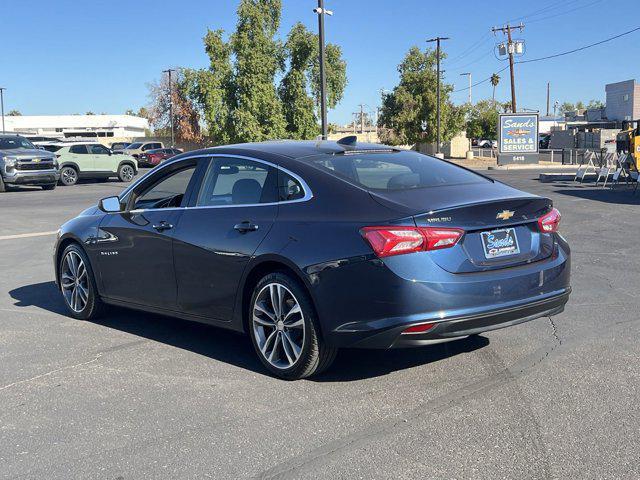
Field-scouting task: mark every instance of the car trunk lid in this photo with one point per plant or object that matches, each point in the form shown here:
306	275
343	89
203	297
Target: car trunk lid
500	223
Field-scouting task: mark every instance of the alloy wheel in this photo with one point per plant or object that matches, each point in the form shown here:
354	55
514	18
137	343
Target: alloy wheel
278	325
127	173
74	280
69	176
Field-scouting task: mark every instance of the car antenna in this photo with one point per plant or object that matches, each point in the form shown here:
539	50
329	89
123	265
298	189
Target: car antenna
349	141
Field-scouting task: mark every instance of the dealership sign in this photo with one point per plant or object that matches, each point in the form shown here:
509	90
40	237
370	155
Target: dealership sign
517	138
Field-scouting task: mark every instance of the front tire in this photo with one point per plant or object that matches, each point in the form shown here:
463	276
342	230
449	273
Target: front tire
68	176
78	285
283	327
126	173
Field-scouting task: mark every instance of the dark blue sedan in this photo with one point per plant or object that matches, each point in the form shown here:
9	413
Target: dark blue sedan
312	246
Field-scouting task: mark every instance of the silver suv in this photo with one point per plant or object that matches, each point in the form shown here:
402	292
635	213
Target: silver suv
21	163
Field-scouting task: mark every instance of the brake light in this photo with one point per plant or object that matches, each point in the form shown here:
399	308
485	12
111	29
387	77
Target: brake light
550	222
389	240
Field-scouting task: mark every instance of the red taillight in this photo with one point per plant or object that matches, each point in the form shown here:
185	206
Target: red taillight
387	241
419	328
550	222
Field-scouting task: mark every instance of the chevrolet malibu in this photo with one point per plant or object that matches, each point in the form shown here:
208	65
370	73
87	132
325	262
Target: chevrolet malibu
308	247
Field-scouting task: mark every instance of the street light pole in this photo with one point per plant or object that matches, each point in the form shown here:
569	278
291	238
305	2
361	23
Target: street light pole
323	81
2	89
170	71
437	40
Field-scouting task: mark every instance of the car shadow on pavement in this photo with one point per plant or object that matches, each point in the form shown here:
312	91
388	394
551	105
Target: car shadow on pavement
235	349
622	196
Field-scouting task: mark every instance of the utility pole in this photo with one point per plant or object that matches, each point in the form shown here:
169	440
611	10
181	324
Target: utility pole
437	40
468	74
2	89
321	12
170	71
511	49
548	96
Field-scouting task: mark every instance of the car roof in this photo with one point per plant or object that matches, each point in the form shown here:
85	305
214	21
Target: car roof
296	149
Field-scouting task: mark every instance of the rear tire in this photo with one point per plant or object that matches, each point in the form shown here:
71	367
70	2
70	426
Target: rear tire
68	176
126	173
286	336
78	285
50	186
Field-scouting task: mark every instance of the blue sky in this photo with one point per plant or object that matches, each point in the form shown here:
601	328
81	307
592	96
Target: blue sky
72	56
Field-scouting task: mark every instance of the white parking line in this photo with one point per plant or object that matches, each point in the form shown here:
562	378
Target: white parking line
27	235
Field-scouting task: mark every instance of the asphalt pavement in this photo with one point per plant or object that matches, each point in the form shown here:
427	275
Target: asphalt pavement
137	395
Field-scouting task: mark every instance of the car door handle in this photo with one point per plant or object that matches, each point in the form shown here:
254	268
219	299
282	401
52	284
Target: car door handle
162	226
245	227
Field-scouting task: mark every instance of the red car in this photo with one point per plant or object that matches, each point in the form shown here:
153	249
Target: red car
151	158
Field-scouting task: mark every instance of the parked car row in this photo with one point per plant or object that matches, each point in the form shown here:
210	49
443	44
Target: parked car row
52	162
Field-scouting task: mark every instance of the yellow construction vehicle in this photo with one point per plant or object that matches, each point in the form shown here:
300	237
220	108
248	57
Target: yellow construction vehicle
628	141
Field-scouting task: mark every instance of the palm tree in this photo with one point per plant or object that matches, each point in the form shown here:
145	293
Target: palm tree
495	80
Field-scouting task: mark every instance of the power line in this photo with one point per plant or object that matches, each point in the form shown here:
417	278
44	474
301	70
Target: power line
473	62
580	48
481	81
543	10
564	12
469	50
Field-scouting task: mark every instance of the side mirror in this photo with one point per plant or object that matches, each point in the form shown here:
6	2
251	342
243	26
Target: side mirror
110	152
110	205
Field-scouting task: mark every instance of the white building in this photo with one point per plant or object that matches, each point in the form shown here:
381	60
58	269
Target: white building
64	126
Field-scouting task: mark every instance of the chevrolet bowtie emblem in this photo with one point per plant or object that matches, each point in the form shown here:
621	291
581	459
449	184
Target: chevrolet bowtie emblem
505	215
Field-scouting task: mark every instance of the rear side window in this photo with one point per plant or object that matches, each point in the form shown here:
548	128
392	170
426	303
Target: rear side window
396	171
80	149
231	181
288	188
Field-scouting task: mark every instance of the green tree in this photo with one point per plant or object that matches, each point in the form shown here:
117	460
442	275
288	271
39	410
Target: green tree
482	120
300	87
257	113
236	96
298	105
212	88
412	104
593	104
14	113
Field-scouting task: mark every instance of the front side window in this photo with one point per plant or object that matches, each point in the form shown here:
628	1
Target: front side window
231	181
98	150
396	170
168	192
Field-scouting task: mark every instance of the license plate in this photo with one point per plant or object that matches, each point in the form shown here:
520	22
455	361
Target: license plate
500	243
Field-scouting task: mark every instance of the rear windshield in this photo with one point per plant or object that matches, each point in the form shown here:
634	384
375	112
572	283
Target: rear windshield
134	146
52	148
396	171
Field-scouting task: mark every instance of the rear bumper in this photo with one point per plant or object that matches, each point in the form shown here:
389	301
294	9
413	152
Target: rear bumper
447	329
369	303
27	177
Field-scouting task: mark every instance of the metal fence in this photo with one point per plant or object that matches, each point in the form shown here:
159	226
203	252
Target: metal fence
562	156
